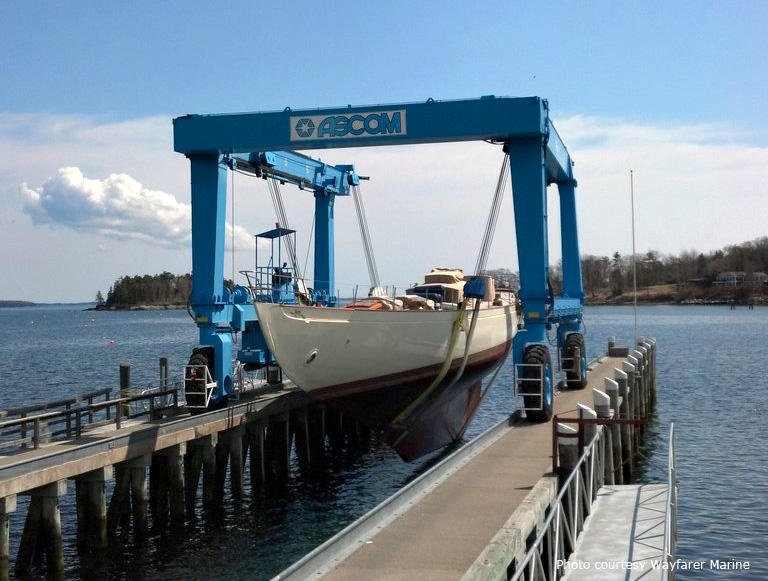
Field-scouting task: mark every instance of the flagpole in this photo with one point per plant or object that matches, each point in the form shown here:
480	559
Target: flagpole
634	255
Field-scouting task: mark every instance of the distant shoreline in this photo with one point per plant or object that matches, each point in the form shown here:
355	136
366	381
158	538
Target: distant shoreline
145	307
9	304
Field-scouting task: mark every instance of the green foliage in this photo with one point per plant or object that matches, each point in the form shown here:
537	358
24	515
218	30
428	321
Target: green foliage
160	289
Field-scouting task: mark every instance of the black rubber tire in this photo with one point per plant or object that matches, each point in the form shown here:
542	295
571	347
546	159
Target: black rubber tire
539	354
573	342
200	356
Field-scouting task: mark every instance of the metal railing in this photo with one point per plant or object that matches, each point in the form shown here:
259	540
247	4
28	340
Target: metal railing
549	551
670	516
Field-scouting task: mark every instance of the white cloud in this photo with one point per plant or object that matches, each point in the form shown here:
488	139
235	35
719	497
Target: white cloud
696	186
118	206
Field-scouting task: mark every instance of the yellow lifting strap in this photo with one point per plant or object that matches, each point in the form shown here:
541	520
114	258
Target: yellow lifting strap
458	325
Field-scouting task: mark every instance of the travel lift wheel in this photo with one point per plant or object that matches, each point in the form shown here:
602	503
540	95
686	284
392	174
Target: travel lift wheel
538	357
576	374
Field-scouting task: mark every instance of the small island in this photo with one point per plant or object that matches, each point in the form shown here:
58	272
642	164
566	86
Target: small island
147	292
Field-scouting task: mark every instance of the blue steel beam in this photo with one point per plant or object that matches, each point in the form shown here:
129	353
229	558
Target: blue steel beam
300	170
529	186
572	287
488	118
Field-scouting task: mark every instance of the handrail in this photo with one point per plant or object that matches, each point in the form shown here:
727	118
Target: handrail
670	515
575	486
55	404
40	421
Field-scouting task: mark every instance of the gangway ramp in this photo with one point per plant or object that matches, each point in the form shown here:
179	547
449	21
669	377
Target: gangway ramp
623	539
437	530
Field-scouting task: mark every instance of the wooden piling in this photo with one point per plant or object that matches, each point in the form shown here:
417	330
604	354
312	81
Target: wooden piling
158	488
602	405
254	432
300	422
316	416
334	420
210	445
125	386
234	439
200	457
630	367
119	505
193	466
612	389
175	458
590	430
221	460
42	530
640	355
169	491
163	373
278	447
91	500
137	470
627	449
652	343
7	506
567	448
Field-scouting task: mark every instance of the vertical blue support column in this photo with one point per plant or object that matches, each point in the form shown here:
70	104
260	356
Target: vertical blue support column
572	287
324	264
209	206
209	298
529	188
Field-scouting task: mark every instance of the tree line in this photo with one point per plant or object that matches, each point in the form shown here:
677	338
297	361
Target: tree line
691	273
160	289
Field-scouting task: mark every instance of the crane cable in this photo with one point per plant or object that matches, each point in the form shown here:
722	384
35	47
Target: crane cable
490	226
282	217
370	259
485	249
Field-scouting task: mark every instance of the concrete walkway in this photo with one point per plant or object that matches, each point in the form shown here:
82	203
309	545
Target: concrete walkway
442	535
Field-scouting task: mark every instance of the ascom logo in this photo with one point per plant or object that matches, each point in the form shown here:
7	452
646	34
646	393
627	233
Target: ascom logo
368	124
305	127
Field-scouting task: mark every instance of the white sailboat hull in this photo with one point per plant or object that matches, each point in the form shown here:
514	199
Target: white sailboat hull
378	362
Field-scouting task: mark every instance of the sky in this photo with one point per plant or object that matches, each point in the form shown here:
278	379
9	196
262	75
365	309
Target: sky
91	189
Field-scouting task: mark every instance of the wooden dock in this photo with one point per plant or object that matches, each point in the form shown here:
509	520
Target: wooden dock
157	465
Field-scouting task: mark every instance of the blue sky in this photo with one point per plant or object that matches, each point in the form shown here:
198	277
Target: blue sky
675	91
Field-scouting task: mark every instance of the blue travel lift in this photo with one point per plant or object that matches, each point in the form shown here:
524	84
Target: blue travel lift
262	144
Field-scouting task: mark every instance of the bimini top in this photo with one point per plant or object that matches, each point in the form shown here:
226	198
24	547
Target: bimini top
275	233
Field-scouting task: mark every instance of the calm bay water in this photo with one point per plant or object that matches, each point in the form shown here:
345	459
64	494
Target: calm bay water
711	383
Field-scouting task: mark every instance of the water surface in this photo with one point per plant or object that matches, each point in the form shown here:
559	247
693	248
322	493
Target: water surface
711	383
